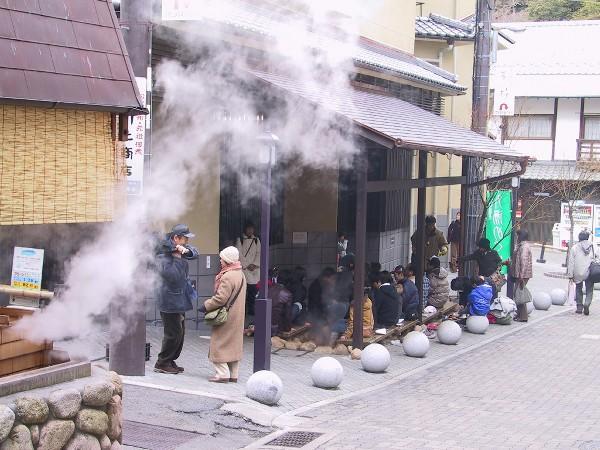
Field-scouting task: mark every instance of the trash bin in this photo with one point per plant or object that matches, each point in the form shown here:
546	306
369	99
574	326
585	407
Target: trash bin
556	235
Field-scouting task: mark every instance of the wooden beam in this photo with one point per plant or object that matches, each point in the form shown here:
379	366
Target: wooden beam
420	253
361	248
398	185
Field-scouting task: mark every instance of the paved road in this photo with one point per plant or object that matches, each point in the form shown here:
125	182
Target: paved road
539	388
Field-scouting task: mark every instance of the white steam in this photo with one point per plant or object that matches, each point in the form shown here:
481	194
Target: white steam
212	103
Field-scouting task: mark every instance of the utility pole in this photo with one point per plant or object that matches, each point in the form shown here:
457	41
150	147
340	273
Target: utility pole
472	169
127	347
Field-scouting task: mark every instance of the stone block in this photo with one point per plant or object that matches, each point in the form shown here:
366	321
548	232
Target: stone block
64	403
83	441
35	434
105	443
116	381
97	394
115	419
55	434
19	439
7	420
92	421
32	410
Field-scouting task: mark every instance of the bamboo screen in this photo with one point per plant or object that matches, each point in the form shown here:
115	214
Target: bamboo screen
56	166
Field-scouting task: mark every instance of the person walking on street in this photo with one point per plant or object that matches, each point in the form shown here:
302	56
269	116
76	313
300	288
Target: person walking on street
578	269
248	246
435	242
454	231
521	269
227	339
175	296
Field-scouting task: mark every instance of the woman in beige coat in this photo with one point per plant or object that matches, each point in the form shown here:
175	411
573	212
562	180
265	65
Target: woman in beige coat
227	340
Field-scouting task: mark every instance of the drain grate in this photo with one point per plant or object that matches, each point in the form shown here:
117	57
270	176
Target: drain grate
153	437
294	439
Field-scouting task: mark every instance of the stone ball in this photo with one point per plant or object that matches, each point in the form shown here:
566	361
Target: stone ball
327	372
264	387
449	332
415	344
530	307
375	358
477	324
542	300
558	296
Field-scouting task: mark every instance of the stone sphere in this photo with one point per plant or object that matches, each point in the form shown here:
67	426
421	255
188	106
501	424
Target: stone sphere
542	300
327	372
449	332
415	344
477	324
558	296
529	307
264	387
375	358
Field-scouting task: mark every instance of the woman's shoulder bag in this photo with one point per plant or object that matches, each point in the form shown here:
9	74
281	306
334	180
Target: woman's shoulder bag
220	315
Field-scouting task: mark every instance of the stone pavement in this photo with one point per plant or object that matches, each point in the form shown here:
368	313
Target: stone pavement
538	388
294	367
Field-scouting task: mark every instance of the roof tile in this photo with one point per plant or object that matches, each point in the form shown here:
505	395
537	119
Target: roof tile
13	84
67	88
6	26
103	13
48	30
31	6
118	67
25	55
94	37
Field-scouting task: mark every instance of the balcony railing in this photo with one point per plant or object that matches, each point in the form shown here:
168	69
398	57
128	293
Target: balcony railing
588	150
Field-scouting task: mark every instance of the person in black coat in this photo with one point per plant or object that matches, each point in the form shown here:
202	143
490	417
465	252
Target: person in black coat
488	260
386	304
175	295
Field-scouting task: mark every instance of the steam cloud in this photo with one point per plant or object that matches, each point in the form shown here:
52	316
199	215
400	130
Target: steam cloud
204	105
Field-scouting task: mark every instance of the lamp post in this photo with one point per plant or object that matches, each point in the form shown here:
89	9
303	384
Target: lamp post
267	143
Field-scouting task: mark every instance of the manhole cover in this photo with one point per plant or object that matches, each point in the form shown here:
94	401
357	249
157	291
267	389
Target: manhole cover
294	439
152	437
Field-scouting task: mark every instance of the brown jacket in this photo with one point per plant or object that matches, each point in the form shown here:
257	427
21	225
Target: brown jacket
435	244
522	266
227	340
368	320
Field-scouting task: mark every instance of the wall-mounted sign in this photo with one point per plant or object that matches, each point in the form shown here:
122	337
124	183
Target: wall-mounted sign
504	99
299	237
27	268
134	147
583	219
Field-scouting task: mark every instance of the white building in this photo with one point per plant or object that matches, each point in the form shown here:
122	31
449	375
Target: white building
547	89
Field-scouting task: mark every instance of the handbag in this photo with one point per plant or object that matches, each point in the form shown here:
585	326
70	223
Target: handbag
220	315
594	275
521	295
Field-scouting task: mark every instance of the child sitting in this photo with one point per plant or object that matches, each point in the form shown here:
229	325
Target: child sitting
386	307
479	298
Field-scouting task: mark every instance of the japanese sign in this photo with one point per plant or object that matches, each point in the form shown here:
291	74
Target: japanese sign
504	99
27	268
182	10
498	225
134	147
583	219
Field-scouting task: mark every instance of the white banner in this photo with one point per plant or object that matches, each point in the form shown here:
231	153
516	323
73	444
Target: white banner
504	99
134	147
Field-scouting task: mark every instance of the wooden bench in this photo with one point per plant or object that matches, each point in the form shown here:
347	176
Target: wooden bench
448	309
394	331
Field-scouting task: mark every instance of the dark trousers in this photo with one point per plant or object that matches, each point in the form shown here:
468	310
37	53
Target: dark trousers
589	293
251	292
174	333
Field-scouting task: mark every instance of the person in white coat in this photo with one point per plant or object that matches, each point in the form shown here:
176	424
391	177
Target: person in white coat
578	269
249	247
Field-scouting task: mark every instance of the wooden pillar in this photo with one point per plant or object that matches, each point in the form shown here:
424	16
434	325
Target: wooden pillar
464	191
361	248
420	254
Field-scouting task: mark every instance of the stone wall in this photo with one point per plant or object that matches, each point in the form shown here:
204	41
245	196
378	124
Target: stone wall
87	418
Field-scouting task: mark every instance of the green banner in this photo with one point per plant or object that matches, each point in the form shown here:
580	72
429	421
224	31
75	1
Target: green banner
498	224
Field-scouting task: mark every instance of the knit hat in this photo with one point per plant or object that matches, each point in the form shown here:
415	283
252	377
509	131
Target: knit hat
230	255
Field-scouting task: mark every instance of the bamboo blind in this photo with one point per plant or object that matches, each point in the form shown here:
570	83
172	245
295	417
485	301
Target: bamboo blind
56	166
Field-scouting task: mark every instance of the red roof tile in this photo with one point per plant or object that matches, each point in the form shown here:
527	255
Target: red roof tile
65	52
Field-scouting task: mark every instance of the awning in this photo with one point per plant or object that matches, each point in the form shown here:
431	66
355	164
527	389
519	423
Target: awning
395	123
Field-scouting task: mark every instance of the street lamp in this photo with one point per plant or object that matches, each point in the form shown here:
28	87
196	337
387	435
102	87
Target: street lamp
267	146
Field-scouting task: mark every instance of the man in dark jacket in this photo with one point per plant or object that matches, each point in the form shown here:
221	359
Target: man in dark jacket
454	231
410	295
175	295
386	302
487	259
282	298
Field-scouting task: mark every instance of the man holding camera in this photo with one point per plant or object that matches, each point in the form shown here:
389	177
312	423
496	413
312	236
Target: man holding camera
176	295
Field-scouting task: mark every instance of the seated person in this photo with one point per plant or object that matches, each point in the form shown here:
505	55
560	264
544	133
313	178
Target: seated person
480	298
281	296
367	320
386	306
439	288
410	296
319	291
299	294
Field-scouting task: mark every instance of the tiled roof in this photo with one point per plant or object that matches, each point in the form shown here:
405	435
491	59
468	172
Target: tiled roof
439	27
396	121
367	53
547	170
65	52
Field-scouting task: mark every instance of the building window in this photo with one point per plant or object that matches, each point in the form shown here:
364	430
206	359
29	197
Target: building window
591	130
529	127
